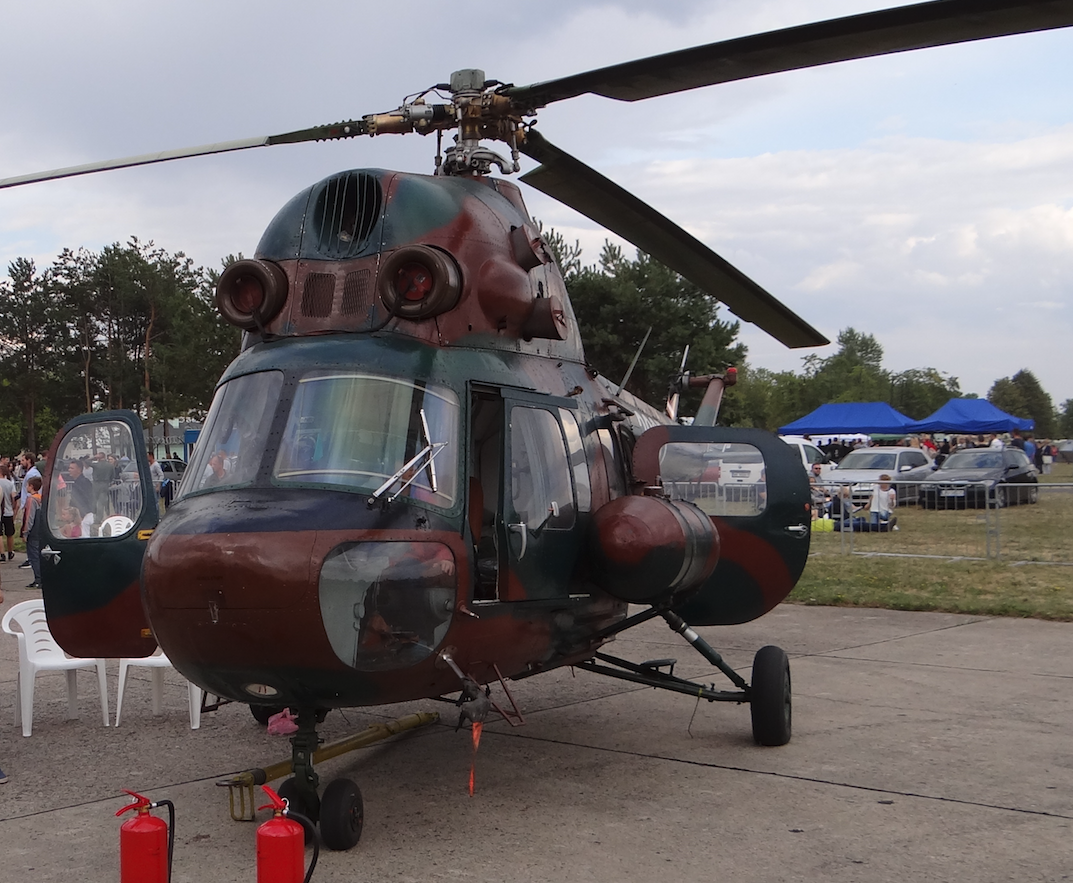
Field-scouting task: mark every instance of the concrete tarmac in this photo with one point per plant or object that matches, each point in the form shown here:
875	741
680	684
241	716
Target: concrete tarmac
925	747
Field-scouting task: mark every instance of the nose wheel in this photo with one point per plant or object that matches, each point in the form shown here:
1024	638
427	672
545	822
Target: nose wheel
340	812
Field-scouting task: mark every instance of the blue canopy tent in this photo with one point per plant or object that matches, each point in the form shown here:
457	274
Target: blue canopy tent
847	418
972	416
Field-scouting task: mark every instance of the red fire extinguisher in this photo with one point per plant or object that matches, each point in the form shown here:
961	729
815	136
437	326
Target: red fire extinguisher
146	843
281	844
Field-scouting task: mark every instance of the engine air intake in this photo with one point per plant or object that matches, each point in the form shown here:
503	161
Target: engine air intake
344	214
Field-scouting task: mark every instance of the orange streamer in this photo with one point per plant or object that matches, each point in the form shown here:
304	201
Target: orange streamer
477	727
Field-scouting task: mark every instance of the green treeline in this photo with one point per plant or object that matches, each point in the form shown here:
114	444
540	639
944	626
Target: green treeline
127	327
616	300
134	327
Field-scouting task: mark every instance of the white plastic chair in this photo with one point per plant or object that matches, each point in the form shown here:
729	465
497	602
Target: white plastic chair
114	526
157	663
38	651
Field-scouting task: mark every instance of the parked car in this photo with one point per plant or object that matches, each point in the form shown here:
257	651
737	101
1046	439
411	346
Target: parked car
172	469
981	476
808	452
861	470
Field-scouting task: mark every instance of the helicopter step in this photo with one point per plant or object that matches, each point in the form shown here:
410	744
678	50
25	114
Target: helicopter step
769	695
340	811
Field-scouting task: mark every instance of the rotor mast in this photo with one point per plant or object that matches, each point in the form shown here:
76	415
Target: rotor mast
478	112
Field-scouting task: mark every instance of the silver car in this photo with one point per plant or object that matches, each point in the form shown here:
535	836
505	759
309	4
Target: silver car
861	469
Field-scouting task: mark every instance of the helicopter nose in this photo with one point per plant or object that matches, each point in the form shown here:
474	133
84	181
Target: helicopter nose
296	611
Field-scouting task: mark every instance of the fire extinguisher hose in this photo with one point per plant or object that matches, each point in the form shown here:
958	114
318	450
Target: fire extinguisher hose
310	828
171	831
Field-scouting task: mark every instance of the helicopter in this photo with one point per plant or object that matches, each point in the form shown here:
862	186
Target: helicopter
410	484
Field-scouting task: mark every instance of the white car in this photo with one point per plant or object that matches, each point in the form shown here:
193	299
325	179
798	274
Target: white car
808	452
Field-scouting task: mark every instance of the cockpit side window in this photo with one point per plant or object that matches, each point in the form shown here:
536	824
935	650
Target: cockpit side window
232	444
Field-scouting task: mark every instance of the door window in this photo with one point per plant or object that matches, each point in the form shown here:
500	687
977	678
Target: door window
578	463
540	471
615	483
722	479
96	490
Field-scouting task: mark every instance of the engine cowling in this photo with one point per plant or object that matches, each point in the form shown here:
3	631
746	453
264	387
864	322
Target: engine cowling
646	549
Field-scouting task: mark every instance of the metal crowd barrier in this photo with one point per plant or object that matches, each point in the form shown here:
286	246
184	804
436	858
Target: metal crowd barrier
976	520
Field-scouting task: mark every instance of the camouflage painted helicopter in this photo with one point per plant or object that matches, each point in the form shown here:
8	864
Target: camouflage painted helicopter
410	484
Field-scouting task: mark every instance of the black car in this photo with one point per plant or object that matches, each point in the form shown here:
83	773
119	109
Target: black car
981	476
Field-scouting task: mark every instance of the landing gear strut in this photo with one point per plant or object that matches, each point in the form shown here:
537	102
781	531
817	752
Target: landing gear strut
340	811
768	695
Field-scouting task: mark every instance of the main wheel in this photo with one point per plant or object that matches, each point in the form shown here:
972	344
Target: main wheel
1033	494
1000	498
300	802
342	815
770	700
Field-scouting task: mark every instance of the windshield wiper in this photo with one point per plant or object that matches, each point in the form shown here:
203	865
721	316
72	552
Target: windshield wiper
430	450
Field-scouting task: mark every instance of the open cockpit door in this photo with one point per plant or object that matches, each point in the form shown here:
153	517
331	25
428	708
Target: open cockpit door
98	509
752	486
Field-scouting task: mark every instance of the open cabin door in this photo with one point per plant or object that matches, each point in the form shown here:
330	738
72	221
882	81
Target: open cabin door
754	489
98	509
529	494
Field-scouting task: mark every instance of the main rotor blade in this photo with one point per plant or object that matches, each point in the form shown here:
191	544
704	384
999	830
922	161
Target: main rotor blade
318	133
922	25
575	184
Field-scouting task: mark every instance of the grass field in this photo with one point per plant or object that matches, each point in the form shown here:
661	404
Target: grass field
1032	577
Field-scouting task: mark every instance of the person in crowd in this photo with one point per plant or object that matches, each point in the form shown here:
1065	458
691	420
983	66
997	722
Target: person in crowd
943	453
32	530
821	498
1046	452
995	443
156	473
79	488
884	499
70	522
29	470
842	509
7	510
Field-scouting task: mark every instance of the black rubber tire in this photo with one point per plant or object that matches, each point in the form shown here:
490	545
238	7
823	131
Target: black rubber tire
299	803
770	701
1033	494
342	815
261	713
1001	499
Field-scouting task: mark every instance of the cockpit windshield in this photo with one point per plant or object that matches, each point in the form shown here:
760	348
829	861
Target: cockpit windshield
383	436
379	434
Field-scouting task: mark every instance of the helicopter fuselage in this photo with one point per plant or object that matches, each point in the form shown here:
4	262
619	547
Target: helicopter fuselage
295	582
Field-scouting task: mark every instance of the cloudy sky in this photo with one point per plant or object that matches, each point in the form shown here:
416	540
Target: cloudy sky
926	198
